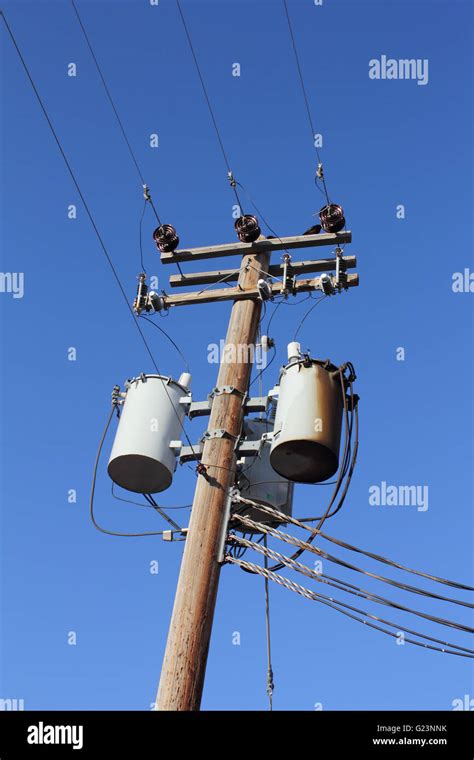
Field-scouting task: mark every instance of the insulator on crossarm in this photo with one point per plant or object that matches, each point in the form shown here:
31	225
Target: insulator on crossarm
166	238
332	218
248	228
326	284
265	289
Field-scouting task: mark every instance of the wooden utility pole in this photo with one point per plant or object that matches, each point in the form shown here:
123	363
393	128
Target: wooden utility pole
184	664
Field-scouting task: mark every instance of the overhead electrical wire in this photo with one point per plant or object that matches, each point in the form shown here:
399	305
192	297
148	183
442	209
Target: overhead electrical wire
342	607
305	97
305	546
89	213
148	197
140	238
208	101
348	588
267	366
298	522
394	564
173	343
270	681
114	108
307	315
147	505
161	511
79	191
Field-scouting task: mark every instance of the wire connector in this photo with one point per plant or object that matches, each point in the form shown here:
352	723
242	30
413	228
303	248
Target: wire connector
116	400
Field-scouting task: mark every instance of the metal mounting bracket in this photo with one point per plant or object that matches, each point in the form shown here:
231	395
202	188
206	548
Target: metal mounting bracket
219	433
203	408
243	449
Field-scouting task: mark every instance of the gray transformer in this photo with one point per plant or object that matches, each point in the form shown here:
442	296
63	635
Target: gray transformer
142	459
258	481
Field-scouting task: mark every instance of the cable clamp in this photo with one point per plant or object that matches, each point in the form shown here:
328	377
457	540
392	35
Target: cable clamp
219	433
228	390
146	193
232	181
351	377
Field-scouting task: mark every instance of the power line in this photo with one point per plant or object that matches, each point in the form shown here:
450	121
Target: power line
305	546
351	547
160	511
342	585
208	101
114	108
173	343
342	607
73	177
147	505
270	682
89	213
307	315
140	237
305	96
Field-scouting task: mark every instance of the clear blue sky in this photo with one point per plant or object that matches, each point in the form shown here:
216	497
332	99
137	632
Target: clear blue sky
385	143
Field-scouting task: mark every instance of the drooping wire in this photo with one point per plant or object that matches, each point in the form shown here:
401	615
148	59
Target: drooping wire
342	607
173	343
161	511
114	108
267	366
89	214
208	101
318	301
140	240
148	197
305	97
377	557
270	681
147	505
92	493
306	546
73	177
349	588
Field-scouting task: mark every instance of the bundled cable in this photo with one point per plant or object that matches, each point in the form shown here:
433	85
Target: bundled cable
348	611
284	518
342	585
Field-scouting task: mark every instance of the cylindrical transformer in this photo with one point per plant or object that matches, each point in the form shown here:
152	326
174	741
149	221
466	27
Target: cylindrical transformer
142	459
258	481
308	420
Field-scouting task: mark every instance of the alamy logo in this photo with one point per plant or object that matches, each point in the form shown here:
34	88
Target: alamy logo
12	704
467	703
241	353
42	734
12	282
399	496
402	68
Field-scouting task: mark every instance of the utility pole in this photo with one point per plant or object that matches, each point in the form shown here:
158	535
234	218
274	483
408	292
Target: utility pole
184	664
